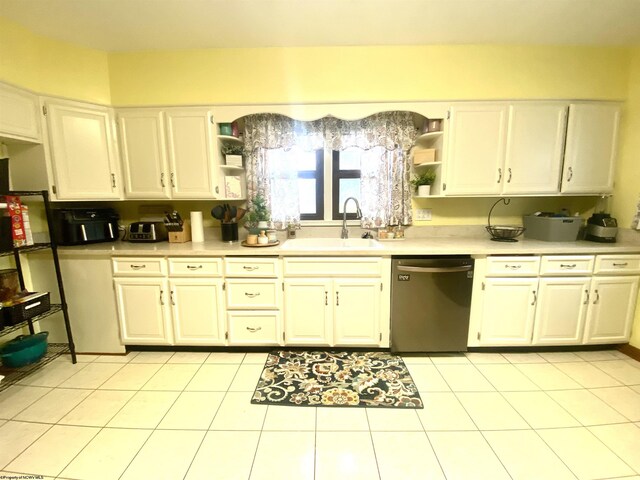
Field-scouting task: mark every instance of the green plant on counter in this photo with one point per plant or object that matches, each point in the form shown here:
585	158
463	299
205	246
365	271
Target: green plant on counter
426	178
232	149
259	212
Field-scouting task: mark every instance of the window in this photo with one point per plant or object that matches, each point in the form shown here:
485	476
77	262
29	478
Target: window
310	167
345	181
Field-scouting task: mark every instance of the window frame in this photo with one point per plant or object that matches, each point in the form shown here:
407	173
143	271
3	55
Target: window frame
318	175
336	175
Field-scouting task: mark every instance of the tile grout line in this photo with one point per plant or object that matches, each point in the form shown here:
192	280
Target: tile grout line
373	445
433	450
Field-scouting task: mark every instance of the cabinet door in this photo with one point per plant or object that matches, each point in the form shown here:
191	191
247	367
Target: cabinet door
508	311
144	157
589	158
611	309
476	149
561	310
198	311
192	159
83	152
535	144
356	312
19	114
307	311
143	311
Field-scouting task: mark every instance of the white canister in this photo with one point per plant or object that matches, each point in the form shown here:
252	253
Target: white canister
197	227
424	190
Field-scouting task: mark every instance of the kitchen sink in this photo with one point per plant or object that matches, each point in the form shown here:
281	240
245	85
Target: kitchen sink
331	244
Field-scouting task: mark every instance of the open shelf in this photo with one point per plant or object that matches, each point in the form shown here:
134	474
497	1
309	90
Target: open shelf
230	139
14	375
29	248
429	196
232	168
55	308
427	164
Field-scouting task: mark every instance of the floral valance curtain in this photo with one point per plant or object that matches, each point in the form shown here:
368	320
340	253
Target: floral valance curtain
385	139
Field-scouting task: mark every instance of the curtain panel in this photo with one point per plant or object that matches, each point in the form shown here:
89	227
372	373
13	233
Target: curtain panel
385	139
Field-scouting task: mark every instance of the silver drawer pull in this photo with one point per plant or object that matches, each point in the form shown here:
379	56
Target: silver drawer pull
568	265
194	267
623	264
137	267
254	329
586	292
250	269
251	295
597	297
535	297
513	267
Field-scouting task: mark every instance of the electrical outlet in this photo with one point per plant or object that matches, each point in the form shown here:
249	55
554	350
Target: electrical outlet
422	214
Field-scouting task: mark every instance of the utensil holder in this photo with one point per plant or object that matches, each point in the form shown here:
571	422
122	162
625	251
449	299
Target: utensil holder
229	232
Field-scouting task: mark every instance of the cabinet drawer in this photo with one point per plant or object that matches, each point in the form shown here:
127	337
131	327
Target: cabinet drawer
251	267
139	267
254	328
333	266
566	264
513	266
195	267
253	294
621	264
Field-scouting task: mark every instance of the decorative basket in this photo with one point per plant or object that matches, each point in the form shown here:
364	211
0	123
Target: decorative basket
25	307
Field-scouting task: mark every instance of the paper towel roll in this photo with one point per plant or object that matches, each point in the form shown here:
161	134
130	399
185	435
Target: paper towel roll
197	229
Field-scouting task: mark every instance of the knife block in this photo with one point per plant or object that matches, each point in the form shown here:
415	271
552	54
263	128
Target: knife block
183	236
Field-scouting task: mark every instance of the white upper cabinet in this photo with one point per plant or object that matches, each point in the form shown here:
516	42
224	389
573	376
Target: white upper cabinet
535	143
590	153
144	153
83	154
19	118
193	161
476	149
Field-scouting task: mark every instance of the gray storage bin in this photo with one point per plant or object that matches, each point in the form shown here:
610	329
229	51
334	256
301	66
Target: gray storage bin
552	229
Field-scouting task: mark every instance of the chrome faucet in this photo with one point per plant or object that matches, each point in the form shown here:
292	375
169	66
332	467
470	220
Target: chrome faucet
345	232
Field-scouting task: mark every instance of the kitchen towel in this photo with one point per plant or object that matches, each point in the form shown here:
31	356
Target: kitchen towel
197	229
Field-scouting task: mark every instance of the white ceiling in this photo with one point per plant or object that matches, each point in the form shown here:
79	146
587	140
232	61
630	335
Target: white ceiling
121	25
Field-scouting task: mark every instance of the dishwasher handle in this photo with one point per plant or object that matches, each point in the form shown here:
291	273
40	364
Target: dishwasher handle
461	268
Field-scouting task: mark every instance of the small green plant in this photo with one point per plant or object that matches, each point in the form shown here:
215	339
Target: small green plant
426	178
258	211
232	149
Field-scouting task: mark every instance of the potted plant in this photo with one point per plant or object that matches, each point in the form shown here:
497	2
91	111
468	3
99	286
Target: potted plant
258	216
422	182
232	154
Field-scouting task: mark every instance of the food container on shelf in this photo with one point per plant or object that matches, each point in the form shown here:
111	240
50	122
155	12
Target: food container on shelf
24	350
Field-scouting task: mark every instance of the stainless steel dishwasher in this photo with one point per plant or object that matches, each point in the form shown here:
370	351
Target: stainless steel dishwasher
430	303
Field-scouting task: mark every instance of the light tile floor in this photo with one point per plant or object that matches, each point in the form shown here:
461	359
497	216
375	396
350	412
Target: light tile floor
163	415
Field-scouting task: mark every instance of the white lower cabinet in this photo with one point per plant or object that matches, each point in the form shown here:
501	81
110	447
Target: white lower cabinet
356	313
197	307
254	328
307	314
143	311
562	307
184	308
611	309
508	311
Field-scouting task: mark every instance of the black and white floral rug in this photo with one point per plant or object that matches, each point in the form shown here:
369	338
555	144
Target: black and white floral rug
336	379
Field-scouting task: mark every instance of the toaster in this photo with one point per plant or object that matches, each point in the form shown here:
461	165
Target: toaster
601	227
146	232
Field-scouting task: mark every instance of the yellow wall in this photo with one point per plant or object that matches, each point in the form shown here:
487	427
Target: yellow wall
52	67
352	74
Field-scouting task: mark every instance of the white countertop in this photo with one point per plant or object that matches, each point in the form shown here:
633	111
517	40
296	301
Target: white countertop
479	245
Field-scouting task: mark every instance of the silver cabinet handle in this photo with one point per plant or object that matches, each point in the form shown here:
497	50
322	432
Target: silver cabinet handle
162	179
569	174
113	180
161	299
251	295
463	268
326	297
254	329
250	268
568	265
171	297
535	297
586	292
597	297
338	298
137	267
499	175
623	264
194	267
509	179
513	267
173	183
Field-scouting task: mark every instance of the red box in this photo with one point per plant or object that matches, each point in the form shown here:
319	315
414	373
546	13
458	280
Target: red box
17	222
